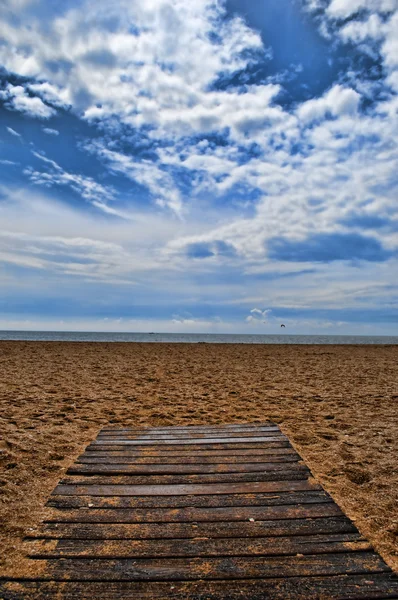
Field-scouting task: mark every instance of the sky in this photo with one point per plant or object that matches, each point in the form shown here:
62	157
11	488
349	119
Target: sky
216	166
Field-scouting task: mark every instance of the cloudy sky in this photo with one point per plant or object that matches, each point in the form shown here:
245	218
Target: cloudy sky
201	166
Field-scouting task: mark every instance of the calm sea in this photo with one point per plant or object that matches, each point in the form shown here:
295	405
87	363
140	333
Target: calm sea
194	338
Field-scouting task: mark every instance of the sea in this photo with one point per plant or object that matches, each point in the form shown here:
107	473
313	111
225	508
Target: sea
194	338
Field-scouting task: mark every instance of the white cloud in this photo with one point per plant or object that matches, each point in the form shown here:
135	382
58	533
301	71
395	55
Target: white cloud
244	113
43	234
15	5
13	132
132	59
342	9
88	258
187	322
389	48
257	315
260	313
50	93
336	102
50	131
8	162
88	189
16	98
358	31
145	172
347	166
71	251
371	21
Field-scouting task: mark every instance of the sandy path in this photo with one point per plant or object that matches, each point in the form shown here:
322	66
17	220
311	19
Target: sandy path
338	404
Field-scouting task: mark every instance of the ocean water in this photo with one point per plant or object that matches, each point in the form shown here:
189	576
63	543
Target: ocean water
194	338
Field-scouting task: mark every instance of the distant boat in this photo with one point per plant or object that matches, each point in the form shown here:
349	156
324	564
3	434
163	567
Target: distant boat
151	333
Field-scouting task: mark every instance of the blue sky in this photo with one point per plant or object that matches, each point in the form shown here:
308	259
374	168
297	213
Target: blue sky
203	166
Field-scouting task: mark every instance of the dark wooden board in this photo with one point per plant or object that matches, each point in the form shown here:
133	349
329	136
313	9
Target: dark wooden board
188	433
293	473
248	529
177	428
186	452
263	546
203	501
186	515
192	436
185	480
88	458
226	568
208	513
191	442
180	469
275	442
185	489
337	587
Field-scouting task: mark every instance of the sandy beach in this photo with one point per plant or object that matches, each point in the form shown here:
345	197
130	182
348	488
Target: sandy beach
338	405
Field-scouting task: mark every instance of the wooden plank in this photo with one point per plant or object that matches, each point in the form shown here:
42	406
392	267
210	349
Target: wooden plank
190	431
189	428
226	568
278	443
88	458
208	501
155	438
336	587
291	474
183	453
186	515
248	529
182	428
165	452
266	546
172	469
182	490
193	438
200	434
191	441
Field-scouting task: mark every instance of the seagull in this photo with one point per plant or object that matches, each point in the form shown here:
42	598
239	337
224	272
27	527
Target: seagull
282	325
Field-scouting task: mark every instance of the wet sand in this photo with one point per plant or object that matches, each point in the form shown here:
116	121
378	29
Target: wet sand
338	405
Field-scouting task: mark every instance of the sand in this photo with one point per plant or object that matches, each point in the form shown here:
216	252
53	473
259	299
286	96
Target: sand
338	405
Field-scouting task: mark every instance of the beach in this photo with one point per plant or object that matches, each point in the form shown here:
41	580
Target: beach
337	404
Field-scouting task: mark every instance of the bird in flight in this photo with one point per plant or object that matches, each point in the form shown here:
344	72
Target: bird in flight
282	325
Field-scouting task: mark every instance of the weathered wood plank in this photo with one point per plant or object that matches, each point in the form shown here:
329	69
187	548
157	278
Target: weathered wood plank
185	489
174	469
155	438
88	458
220	446
186	515
188	433
226	568
191	441
203	501
337	587
183	453
294	473
122	531
178	428
267	546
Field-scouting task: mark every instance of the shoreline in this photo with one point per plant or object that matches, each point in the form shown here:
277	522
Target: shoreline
337	404
199	338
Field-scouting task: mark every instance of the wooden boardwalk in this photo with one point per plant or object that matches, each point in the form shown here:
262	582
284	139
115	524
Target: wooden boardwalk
217	512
